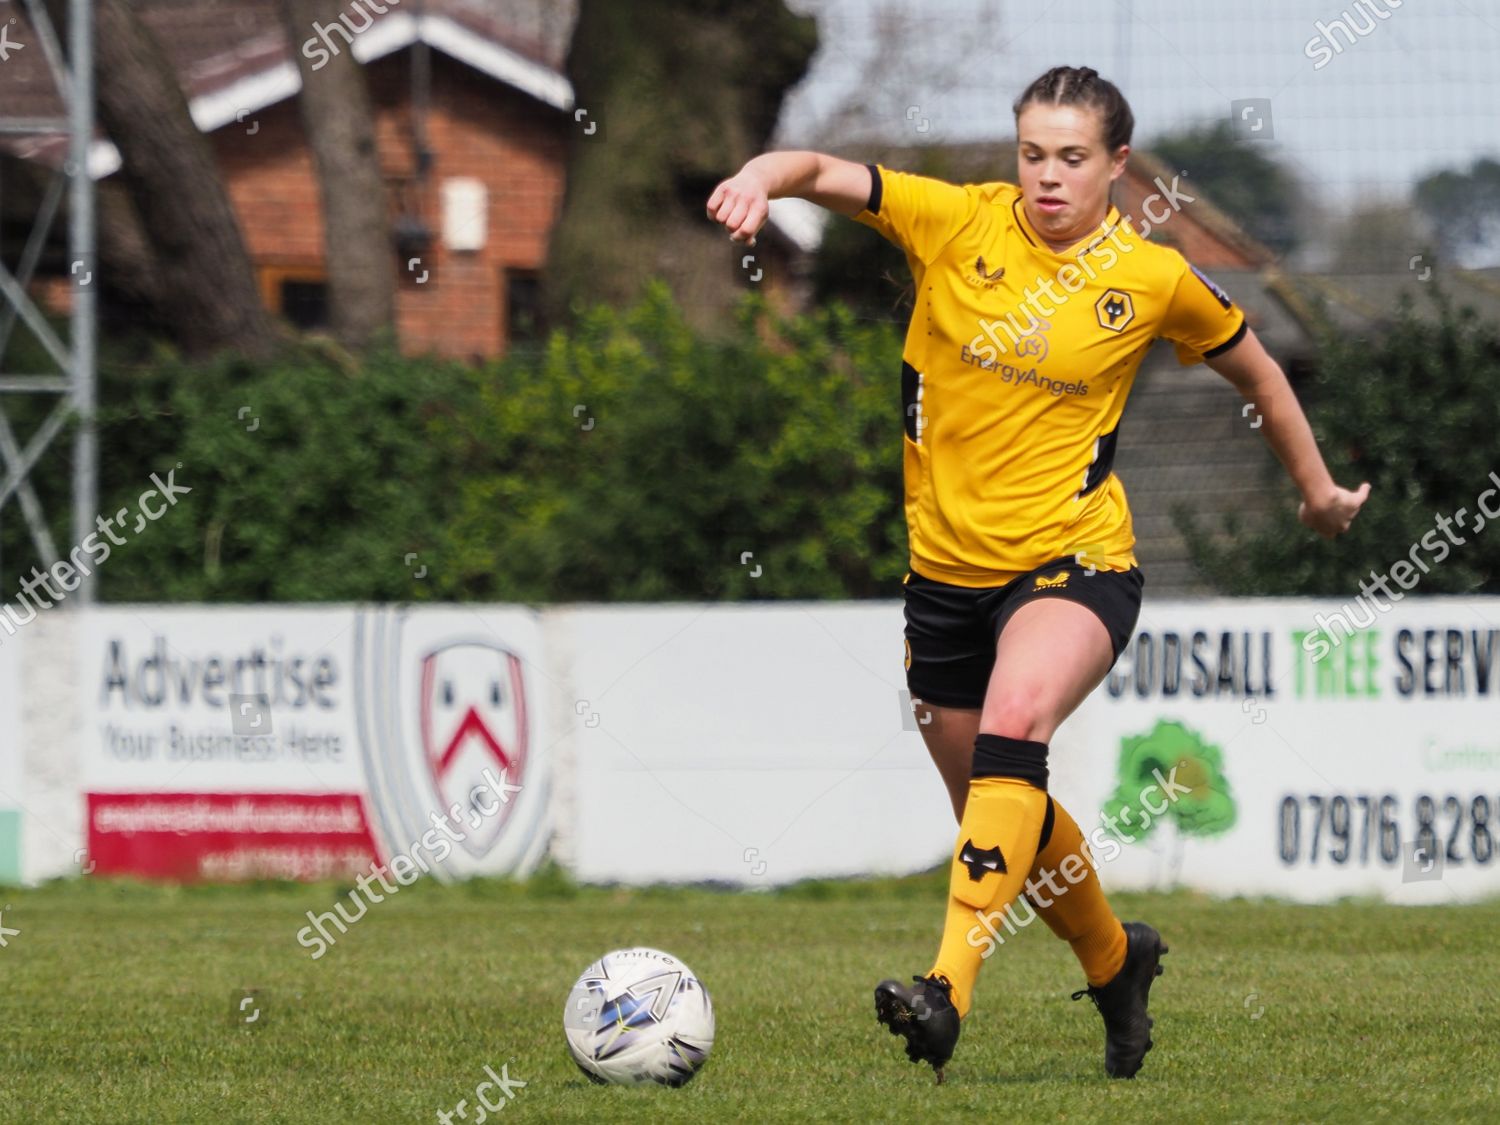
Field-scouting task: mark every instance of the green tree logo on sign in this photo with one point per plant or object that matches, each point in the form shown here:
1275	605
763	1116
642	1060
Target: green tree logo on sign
1175	766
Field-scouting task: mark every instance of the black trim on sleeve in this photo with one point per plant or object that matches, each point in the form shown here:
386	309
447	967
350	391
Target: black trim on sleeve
873	206
1239	334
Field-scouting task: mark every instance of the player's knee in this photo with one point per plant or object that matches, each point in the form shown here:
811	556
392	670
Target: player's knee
1017	714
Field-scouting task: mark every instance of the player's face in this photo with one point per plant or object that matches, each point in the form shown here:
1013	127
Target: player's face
1065	170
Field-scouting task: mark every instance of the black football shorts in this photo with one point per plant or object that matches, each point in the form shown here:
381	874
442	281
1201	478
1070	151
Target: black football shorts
951	630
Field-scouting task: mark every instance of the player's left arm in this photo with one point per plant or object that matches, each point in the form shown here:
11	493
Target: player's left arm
1326	508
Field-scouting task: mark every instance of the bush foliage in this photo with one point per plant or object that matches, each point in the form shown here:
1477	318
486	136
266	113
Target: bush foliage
628	458
1414	408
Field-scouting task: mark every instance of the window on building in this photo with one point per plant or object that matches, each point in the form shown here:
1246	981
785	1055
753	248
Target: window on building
300	296
305	303
523	306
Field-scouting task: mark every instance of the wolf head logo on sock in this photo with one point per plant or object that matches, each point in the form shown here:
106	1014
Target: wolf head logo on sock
981	861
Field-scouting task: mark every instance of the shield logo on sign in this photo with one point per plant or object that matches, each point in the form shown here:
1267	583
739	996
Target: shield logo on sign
473	721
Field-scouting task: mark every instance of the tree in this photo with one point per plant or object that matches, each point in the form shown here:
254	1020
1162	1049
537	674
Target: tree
869	273
1464	209
855	265
1413	407
203	283
1380	237
1248	186
890	55
340	125
672	96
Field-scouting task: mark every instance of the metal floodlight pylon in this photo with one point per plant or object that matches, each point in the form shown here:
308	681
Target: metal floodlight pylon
75	359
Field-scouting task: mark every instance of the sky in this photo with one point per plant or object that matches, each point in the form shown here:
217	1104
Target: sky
1419	92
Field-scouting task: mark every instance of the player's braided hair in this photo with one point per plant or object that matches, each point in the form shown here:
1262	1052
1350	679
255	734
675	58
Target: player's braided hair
1082	86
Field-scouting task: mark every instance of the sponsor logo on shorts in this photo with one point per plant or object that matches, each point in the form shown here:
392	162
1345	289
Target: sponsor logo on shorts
1056	582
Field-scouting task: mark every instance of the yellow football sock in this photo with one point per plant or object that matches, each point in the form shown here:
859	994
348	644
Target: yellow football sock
997	841
1076	911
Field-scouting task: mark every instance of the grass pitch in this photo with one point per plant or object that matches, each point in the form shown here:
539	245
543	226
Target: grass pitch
119	1006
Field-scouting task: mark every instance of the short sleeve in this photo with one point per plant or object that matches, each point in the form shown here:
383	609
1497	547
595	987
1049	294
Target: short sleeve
917	213
1201	319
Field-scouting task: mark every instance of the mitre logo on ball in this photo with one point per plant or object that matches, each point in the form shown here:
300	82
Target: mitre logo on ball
473	724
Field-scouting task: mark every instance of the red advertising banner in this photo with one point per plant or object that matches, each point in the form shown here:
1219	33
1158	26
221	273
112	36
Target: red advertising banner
229	836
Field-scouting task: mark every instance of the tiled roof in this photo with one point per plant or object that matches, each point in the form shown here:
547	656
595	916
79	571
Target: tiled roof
217	46
1346	302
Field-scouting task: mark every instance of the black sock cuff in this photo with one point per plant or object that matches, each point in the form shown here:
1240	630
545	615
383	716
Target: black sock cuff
998	756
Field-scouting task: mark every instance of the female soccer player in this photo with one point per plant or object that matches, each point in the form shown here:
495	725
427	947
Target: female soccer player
1035	303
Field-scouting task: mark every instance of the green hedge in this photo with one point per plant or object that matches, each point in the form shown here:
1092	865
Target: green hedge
630	458
627	459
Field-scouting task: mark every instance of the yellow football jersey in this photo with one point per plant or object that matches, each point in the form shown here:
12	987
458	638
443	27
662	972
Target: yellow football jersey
1015	371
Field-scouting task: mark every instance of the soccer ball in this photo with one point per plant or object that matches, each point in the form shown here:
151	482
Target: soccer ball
637	1016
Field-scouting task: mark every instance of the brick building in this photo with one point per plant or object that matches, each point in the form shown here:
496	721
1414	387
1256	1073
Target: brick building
469	233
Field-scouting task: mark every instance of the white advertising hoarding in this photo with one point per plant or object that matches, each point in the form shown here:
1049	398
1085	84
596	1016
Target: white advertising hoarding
755	743
752	744
1370	766
263	741
748	743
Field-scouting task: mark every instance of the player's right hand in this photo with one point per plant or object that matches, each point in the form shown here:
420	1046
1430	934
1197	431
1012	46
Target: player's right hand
741	203
1333	514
